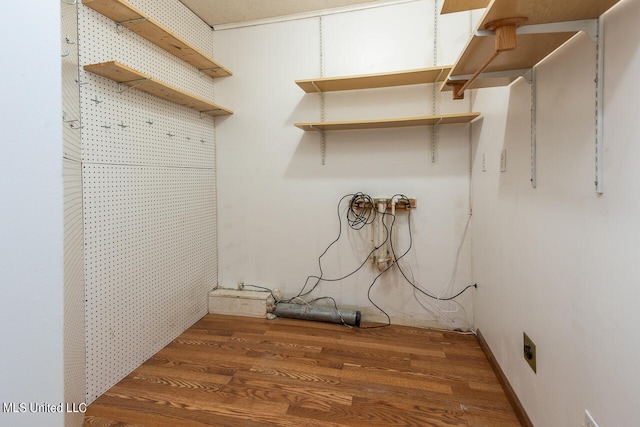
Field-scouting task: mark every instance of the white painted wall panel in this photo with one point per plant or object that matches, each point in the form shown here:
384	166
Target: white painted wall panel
277	202
559	262
31	218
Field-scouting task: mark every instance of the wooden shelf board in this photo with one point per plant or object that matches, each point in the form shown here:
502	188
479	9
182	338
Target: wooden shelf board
122	74
530	48
451	6
389	123
128	16
370	81
546	11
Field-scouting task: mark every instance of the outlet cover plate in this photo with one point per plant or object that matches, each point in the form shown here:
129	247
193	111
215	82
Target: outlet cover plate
529	351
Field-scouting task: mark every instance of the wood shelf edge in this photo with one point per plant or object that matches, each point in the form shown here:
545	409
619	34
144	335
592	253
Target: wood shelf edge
453	6
123	74
376	80
389	123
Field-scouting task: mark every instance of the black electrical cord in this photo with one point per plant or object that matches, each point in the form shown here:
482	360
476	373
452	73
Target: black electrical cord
407	251
360	213
356	219
263	288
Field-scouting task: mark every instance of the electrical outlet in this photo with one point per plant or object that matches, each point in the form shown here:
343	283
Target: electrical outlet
503	160
588	420
484	162
529	352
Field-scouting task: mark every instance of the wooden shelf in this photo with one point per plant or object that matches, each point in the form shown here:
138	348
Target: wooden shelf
389	123
371	81
546	11
128	16
451	6
122	74
481	55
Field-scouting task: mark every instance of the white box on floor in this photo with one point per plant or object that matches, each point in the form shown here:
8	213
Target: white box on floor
239	303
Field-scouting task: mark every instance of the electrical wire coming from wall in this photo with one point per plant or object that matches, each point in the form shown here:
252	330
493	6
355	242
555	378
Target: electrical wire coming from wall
357	219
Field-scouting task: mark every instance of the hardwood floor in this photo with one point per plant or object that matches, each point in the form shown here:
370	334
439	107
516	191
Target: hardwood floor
232	371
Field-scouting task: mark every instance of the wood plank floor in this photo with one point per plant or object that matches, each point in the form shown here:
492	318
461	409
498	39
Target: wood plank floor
232	371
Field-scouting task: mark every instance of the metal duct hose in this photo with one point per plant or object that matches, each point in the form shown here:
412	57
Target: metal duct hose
320	314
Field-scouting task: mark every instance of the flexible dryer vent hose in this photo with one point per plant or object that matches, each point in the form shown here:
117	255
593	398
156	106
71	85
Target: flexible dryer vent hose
320	314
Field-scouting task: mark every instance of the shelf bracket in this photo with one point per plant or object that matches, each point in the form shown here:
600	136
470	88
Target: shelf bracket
121	25
600	107
461	78
127	86
434	140
504	31
212	69
206	112
323	148
323	143
594	29
589	26
534	138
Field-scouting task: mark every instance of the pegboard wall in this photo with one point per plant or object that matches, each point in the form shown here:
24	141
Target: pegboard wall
70	88
149	194
74	306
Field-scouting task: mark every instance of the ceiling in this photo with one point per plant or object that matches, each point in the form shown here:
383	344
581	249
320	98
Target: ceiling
224	12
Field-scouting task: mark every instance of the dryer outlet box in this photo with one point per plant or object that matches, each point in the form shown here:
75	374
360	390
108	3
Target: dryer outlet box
239	302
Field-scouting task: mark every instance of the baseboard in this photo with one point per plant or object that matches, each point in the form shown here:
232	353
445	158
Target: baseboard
502	378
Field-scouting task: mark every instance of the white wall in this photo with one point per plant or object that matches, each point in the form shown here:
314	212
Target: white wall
277	202
31	263
560	262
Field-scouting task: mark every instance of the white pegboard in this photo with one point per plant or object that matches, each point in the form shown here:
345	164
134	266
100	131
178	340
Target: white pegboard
74	306
149	237
70	87
133	127
149	195
103	40
74	301
180	20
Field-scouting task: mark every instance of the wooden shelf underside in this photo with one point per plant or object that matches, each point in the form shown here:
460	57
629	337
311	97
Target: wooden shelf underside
128	16
530	48
451	6
371	81
389	123
122	74
546	11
